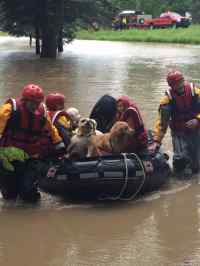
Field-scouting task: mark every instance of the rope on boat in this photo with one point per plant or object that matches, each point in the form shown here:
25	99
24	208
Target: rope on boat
144	175
118	197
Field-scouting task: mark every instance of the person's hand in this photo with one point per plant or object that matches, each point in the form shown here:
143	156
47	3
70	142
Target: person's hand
148	166
152	148
192	124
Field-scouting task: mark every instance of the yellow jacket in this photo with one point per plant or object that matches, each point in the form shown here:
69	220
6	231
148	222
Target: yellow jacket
64	121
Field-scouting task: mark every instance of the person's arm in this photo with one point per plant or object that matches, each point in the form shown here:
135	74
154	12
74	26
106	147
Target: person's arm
161	124
5	114
63	125
135	121
195	122
56	139
197	92
162	121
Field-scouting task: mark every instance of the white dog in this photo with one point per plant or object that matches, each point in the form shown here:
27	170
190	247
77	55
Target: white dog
81	141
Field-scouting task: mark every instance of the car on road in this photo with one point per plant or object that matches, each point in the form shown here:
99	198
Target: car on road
168	19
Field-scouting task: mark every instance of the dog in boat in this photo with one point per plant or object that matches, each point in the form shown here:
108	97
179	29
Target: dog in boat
81	141
113	142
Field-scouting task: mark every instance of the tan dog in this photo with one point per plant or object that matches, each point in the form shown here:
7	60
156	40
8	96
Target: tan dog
78	148
114	142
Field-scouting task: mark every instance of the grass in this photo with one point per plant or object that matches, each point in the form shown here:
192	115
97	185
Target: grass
190	35
3	33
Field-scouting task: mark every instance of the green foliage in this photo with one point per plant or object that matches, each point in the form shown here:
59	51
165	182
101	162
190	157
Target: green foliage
195	10
10	154
51	17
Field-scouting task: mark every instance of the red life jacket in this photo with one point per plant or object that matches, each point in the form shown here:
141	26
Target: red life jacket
139	141
26	130
183	108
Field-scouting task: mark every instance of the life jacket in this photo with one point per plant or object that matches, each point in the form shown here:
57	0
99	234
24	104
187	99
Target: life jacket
183	108
139	141
26	130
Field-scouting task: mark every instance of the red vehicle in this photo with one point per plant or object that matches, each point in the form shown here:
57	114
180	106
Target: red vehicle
168	19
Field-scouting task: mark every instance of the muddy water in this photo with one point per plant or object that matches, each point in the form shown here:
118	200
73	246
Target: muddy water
160	229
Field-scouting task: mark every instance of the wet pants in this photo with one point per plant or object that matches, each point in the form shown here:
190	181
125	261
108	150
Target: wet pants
186	148
22	183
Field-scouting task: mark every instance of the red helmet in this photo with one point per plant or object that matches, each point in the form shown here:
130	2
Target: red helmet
173	77
55	100
33	93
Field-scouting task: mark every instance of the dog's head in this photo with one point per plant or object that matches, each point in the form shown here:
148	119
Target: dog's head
120	134
86	127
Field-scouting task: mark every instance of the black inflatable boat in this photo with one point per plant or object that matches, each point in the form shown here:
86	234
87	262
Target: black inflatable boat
106	177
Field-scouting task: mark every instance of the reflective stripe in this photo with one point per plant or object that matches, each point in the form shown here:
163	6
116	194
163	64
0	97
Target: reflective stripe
55	116
14	104
192	89
168	92
60	177
89	175
114	174
45	109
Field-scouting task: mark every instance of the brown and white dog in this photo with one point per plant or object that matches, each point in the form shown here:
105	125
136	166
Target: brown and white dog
114	142
81	141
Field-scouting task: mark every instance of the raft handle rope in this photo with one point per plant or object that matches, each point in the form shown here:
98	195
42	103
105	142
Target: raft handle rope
142	183
118	197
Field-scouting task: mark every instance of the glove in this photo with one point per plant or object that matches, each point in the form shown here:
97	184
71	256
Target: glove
154	147
148	166
192	124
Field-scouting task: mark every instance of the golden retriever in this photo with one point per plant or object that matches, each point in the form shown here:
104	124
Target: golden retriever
114	142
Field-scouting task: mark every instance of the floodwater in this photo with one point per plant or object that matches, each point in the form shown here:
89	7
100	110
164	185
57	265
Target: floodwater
162	229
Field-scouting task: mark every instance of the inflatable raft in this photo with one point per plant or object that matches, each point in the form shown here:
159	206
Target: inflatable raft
106	177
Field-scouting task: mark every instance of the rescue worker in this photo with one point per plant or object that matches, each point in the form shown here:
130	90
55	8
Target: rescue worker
127	111
180	109
55	103
124	23
24	124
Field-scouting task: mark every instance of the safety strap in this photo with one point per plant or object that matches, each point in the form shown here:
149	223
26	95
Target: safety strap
119	196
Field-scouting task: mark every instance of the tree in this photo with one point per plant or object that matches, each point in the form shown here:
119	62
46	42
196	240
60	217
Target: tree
156	7
49	20
195	10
